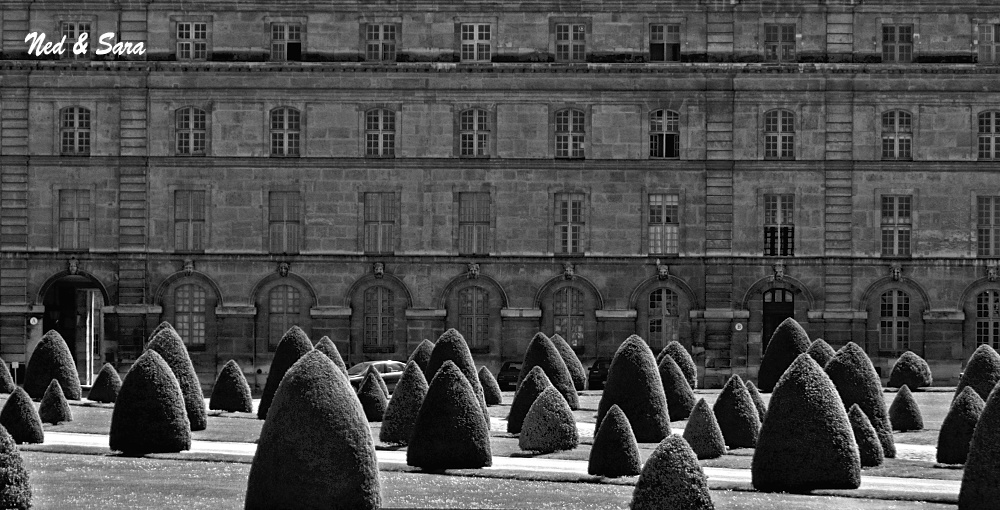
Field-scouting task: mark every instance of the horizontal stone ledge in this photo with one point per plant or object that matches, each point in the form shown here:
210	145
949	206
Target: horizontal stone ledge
425	313
21	309
236	311
133	309
943	316
717	313
521	313
615	314
320	312
843	315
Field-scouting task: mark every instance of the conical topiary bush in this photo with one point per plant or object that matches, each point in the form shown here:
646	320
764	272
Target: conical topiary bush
758	400
542	352
6	381
787	342
401	413
231	392
450	432
680	398
982	372
149	414
169	345
529	389
161	326
865	436
737	415
491	390
21	419
15	488
911	370
50	360
292	346
326	346
576	371
372	398
980	489
422	355
54	408
106	386
451	346
806	441
615	452
684	360
549	425
315	448
904	413
634	385
672	478
854	376
958	426
703	432
821	351
374	373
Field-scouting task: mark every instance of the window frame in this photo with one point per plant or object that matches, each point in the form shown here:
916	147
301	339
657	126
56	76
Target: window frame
894	228
189	246
899	337
190	26
777	48
387	138
289	306
987	318
988	138
192	131
665	238
386	52
898	47
779	134
987	234
667	119
289	135
661	33
578	52
476	42
285	230
286	39
84	203
480	224
72	37
562	224
575	316
897	139
575	141
180	312
987	45
380	224
479	132
385	333
80	135
656	342
779	234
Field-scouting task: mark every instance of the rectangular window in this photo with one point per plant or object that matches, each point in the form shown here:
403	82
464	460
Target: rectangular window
989	44
896	225
189	220
569	222
779	225
285	220
74	219
664	43
72	31
664	134
571	42
476	40
380	222
380	45
988	226
286	42
192	41
779	42
897	43
473	223
663	224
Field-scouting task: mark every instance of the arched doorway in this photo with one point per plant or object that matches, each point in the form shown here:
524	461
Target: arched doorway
779	304
73	306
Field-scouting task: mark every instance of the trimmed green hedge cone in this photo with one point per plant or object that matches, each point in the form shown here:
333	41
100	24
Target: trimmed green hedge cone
372	398
573	364
372	371
401	413
675	350
982	372
672	478
634	385
958	426
293	345
911	370
787	342
758	400
450	432
451	346
54	408
149	414
160	327
615	452
680	398
491	389
549	425
806	442
854	376
980	489
315	448
231	392
821	351
703	432
422	355
542	352
169	345
106	386
50	360
865	436
904	413
529	389
15	488
737	415
326	346
21	419
6	381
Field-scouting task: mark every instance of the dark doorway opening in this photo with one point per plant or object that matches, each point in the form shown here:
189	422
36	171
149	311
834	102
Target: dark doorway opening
779	304
73	308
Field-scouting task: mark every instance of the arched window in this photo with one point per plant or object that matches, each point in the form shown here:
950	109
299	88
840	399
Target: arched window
570	136
379	320
474	138
568	305
662	318
191	128
474	317
897	135
664	134
285	126
74	131
988	318
779	134
189	315
989	135
283	305
380	133
894	322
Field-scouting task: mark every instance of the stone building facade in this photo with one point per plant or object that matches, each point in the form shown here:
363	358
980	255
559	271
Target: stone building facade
689	170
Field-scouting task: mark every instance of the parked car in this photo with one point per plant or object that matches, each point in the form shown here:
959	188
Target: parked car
598	374
390	370
507	376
